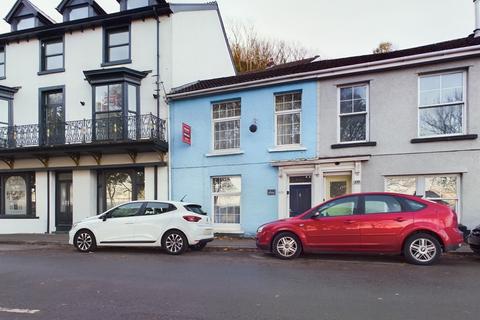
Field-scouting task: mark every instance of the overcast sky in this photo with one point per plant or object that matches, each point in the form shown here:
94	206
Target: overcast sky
333	28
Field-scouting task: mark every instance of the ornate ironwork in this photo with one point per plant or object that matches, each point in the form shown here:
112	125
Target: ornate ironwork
131	128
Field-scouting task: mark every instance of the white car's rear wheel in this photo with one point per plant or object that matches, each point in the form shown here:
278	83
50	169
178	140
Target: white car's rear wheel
174	242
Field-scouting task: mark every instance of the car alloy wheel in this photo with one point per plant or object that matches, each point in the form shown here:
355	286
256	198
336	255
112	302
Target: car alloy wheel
423	250
175	243
85	241
286	246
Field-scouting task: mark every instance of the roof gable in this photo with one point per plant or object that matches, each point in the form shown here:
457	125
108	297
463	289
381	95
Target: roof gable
26	8
71	3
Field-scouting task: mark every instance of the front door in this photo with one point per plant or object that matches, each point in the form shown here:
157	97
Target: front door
64	199
53	117
300	195
337	185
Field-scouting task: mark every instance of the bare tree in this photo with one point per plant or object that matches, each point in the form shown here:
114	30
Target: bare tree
251	52
384	47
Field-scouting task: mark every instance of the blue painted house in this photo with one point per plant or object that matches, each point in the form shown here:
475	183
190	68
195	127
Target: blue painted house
238	136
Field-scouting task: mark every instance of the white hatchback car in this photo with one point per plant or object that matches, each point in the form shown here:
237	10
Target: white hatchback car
173	226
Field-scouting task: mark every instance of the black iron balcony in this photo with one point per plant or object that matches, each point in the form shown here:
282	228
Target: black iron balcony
111	131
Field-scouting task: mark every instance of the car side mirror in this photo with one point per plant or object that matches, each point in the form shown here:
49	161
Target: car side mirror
104	218
316	215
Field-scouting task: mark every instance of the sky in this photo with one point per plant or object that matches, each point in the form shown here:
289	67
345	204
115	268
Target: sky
331	28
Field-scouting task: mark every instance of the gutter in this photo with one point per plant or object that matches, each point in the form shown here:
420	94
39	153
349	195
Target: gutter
341	71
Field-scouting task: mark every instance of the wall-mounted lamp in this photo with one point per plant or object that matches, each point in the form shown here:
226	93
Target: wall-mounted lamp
253	127
82	103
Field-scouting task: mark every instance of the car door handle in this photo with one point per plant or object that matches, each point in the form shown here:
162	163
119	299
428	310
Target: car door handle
129	222
349	221
400	219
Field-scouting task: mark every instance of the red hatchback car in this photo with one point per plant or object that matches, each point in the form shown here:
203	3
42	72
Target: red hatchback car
367	222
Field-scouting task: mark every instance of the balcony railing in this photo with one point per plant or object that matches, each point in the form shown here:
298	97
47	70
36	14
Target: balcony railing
107	129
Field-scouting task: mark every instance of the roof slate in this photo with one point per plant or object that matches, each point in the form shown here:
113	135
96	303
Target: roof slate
312	64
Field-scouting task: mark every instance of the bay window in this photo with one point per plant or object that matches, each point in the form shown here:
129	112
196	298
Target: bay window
226	194
353	113
226	125
442	99
288	108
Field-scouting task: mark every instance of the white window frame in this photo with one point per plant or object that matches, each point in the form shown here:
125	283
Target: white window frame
285	112
464	109
224	226
420	187
366	112
214	121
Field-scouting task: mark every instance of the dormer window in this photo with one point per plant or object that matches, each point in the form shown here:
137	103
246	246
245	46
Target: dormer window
26	23
24	15
79	9
133	4
78	13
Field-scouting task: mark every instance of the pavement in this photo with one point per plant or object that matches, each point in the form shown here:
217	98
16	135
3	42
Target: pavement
221	243
52	282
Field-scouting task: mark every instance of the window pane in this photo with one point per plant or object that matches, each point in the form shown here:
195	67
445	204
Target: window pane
227	135
26	23
381	204
119	53
2	55
452	95
359	105
119	188
453	80
346	93
430	97
430	83
79	13
118	37
226	110
441	187
132	98
53	63
3	112
288	129
340	207
360	92
15	196
289	101
115	97
226	184
132	4
101	98
154	208
128	210
53	48
2	70
54	98
441	120
346	106
353	128
226	209
405	185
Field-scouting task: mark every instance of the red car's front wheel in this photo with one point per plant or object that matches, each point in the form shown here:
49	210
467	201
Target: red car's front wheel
286	246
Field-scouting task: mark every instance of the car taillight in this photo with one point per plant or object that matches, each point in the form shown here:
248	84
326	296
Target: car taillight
192	218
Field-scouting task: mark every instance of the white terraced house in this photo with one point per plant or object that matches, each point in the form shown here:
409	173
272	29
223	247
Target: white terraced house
82	104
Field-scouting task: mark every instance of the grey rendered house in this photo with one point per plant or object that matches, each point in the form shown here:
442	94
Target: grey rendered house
405	121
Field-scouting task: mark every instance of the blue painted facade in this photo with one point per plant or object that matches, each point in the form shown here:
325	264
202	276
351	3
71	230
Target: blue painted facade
193	166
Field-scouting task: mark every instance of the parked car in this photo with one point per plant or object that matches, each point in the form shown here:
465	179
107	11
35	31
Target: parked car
173	226
368	222
474	240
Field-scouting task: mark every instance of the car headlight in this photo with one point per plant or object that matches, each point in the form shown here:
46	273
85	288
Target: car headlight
260	229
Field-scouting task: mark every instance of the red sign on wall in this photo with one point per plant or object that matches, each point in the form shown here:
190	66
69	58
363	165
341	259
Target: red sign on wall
186	134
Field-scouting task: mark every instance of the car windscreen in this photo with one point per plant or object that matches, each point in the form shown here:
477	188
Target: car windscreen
195	209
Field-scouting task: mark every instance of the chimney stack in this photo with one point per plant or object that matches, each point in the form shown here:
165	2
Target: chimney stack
476	32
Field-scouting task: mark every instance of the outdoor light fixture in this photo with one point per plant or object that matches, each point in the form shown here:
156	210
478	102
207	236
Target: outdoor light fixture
253	127
82	103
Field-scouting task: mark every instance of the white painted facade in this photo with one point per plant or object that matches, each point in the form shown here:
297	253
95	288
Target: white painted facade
192	45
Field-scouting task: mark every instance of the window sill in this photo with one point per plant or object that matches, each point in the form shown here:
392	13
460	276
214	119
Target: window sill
354	145
291	148
445	138
224	153
114	63
41	73
18	217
